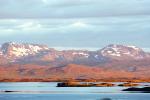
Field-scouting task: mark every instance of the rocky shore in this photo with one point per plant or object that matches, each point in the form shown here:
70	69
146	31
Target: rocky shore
72	80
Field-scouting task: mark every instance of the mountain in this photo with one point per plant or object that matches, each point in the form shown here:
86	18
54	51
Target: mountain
15	50
24	60
34	53
123	52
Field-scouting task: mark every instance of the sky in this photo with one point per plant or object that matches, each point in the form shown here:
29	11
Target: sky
76	23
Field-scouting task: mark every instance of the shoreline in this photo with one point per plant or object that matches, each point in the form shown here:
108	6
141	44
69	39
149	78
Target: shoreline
76	80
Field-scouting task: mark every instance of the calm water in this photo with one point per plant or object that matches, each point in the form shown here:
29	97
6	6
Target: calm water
49	91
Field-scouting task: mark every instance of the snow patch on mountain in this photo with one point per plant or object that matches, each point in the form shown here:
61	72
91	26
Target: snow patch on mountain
1	53
81	54
96	56
134	47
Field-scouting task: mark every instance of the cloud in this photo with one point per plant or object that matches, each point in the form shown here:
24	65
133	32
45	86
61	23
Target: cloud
72	8
78	32
79	24
29	26
76	23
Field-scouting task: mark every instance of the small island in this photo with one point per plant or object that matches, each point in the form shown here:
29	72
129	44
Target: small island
84	84
94	84
144	89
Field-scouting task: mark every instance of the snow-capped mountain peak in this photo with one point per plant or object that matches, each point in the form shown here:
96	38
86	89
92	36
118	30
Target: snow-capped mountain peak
13	49
122	51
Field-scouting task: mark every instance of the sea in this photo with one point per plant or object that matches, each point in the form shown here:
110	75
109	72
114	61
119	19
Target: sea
49	91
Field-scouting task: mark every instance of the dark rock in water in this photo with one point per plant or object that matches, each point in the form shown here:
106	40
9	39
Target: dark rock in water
128	84
144	89
8	91
106	99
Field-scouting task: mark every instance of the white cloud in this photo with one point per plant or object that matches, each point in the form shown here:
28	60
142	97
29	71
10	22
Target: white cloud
79	24
29	26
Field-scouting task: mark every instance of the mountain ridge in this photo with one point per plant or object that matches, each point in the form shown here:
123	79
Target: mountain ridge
34	61
27	53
